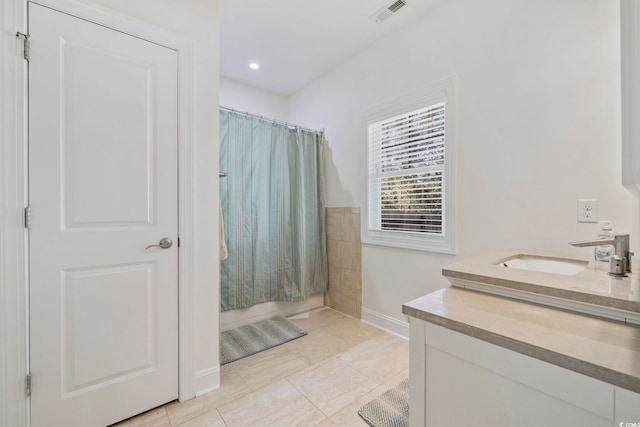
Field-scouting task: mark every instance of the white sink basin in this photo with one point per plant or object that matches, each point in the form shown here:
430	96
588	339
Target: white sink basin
569	282
566	267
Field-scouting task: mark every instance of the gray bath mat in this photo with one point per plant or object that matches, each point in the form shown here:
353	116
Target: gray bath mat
251	339
390	409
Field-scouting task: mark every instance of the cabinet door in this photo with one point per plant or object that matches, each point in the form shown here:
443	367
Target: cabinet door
471	380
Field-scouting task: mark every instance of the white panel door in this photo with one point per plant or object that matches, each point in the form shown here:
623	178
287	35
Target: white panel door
102	187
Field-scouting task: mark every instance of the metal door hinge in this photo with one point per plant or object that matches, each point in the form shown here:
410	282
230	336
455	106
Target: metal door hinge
27	217
25	40
28	385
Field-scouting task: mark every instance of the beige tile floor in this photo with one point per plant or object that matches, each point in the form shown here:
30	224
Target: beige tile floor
321	379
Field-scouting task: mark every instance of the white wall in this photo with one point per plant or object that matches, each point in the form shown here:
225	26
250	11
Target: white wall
253	100
538	128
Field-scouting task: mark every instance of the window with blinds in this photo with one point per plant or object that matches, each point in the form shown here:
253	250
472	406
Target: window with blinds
410	185
406	172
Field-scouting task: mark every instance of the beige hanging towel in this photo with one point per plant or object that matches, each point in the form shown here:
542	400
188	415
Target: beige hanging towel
223	244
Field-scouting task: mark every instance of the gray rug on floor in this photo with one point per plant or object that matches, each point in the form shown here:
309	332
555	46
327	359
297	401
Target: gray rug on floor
390	409
251	339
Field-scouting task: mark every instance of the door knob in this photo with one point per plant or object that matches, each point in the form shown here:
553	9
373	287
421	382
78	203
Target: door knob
164	243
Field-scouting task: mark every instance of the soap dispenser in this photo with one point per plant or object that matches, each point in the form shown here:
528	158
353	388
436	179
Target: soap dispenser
604	252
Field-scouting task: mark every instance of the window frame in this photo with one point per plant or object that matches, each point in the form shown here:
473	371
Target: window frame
441	91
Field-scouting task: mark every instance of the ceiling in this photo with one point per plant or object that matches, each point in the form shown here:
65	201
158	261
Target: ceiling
296	41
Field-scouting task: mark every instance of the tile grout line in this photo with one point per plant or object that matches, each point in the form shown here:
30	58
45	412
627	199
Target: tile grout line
222	418
326	417
347	365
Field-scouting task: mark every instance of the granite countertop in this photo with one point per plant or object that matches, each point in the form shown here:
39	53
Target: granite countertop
593	285
603	349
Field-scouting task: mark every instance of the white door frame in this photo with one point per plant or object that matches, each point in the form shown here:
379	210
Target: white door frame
13	296
14	193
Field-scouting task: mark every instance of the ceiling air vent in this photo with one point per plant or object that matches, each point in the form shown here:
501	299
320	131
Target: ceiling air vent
388	10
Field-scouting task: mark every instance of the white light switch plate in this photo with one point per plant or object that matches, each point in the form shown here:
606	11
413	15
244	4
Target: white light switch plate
587	210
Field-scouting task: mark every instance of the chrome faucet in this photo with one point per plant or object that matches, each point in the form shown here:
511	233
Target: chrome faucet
620	262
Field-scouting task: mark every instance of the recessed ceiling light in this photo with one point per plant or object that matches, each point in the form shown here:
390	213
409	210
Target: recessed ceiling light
254	66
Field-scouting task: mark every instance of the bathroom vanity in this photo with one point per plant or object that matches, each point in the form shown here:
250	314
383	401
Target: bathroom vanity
526	339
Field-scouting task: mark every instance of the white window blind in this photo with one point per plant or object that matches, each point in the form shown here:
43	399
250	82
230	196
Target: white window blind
407	174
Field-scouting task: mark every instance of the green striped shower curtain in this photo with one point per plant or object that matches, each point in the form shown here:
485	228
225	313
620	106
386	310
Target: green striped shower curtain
273	205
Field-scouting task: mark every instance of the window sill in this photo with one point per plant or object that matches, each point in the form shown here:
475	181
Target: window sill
442	247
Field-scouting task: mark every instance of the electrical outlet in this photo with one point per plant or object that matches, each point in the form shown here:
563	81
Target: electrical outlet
588	210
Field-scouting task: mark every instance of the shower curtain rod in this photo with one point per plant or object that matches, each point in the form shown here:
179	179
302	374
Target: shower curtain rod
280	122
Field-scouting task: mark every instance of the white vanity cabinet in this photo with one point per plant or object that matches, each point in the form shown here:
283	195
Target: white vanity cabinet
482	360
458	380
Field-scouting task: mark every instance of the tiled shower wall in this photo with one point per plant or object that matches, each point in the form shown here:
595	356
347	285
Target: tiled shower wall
345	265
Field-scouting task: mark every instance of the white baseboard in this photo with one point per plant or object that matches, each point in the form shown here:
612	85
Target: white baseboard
207	380
386	323
236	318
